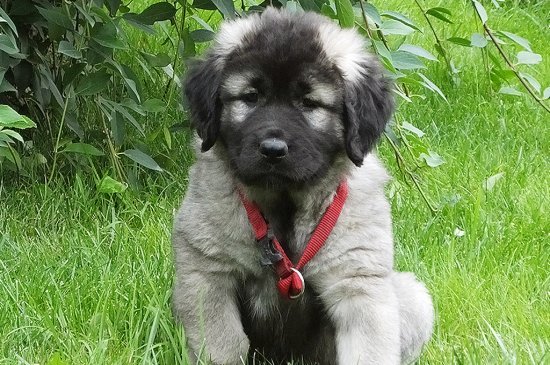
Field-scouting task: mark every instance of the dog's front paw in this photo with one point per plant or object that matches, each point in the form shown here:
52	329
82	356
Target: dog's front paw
226	351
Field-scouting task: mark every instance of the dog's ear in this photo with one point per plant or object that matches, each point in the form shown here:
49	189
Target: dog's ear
368	105
202	91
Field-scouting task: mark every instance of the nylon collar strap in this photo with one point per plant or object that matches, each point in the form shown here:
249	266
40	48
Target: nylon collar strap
291	282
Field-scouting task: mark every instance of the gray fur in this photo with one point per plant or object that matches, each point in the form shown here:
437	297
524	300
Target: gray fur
356	309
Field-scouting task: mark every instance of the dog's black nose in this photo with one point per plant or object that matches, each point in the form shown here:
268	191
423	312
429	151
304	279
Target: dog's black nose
273	148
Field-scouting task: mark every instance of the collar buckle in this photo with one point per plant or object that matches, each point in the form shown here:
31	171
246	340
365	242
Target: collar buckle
268	253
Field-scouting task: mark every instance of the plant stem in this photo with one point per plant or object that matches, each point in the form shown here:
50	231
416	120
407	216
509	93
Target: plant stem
180	35
438	41
365	19
509	63
58	138
410	174
112	151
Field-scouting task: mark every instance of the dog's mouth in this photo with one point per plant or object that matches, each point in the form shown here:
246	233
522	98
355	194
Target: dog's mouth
286	173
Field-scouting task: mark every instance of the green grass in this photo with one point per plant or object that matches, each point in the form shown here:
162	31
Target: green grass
86	278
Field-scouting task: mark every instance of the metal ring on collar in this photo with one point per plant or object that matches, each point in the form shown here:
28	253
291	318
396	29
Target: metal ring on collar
303	284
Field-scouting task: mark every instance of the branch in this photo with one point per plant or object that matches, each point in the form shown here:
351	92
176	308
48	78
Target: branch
401	163
437	40
509	63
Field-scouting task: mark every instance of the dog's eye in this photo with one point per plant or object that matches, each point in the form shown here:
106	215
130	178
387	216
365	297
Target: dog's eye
310	103
251	97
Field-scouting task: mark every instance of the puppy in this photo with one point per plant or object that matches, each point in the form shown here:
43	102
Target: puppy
287	107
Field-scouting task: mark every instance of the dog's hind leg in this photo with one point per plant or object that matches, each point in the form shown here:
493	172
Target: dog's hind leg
416	315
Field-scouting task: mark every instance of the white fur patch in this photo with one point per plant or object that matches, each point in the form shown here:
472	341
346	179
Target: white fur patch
319	119
323	93
238	84
232	34
238	110
346	48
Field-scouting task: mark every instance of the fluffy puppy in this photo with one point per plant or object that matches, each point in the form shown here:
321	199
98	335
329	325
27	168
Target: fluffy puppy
287	106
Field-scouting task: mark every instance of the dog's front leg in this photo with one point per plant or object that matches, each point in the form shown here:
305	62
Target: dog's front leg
365	314
206	305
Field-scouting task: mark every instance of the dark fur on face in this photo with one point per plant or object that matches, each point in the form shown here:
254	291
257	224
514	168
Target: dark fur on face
281	84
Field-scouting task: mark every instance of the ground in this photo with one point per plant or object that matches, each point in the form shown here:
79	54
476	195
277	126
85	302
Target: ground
85	278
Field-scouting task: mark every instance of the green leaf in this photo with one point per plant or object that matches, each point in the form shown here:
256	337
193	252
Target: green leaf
401	18
72	72
226	7
93	83
132	87
406	61
478	40
417	50
6	86
187	49
11	154
106	35
507	90
13	134
202	23
531	80
159	60
344	10
503	74
528	58
460	41
113	6
431	86
108	185
546	93
142	159
411	128
52	87
309	5
167	137
131	104
56	16
490	183
8	45
395	27
83	148
373	13
432	159
119	108
4	18
440	13
132	82
71	119
118	129
154	13
133	20
481	11
9	118
68	49
154	105
382	50
204	4
4	138
85	14
517	39
202	35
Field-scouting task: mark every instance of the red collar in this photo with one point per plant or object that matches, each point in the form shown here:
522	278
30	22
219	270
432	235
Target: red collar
291	282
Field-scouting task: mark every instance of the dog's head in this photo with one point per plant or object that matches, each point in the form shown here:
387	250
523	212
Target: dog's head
285	95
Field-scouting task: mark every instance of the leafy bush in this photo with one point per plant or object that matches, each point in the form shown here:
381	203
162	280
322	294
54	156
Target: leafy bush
61	63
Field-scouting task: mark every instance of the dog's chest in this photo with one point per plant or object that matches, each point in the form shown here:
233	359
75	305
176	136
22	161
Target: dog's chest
279	328
282	329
